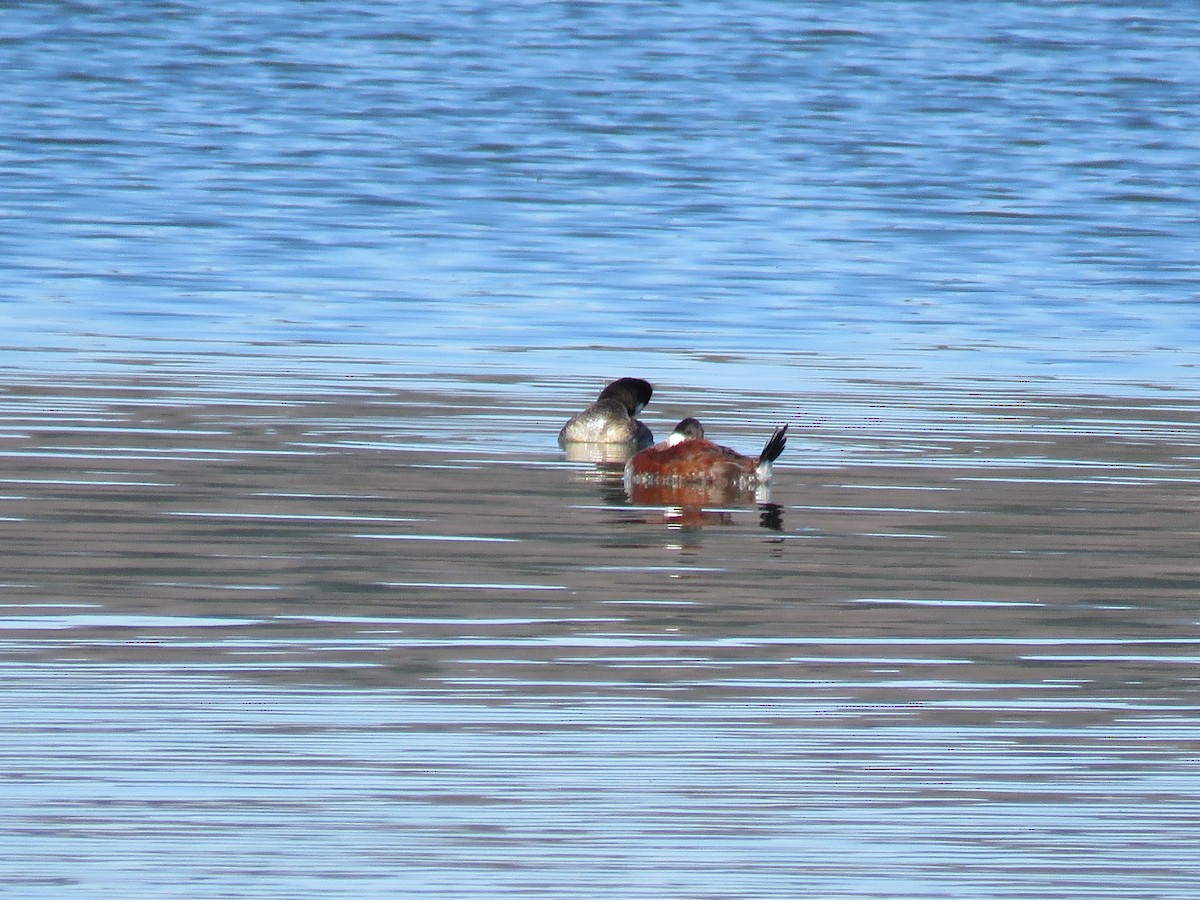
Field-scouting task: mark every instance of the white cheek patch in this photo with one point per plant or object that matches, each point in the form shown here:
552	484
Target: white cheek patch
676	438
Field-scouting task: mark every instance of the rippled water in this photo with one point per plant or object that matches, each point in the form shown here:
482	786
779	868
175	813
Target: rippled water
300	597
346	644
999	187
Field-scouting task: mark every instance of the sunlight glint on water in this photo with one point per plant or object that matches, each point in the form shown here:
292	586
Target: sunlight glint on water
300	598
529	678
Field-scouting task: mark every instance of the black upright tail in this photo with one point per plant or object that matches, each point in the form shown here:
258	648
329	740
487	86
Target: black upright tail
774	447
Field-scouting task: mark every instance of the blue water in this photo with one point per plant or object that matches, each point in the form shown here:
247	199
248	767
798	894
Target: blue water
952	189
301	598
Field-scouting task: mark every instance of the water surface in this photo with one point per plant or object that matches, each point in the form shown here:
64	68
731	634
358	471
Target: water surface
300	598
1003	188
364	644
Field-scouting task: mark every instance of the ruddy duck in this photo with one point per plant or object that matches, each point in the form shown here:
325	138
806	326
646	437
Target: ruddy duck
610	420
687	458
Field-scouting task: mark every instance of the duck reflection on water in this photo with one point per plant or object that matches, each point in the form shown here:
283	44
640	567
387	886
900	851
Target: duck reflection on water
697	505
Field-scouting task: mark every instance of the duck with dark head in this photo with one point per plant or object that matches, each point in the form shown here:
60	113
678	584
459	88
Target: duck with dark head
612	418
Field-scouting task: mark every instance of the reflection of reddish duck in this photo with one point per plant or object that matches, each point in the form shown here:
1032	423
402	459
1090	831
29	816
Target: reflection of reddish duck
687	458
611	419
692	494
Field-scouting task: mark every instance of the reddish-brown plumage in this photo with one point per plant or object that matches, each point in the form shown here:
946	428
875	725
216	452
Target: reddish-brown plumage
691	460
688	458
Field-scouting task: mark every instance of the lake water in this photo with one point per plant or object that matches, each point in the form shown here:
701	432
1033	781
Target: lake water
301	598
